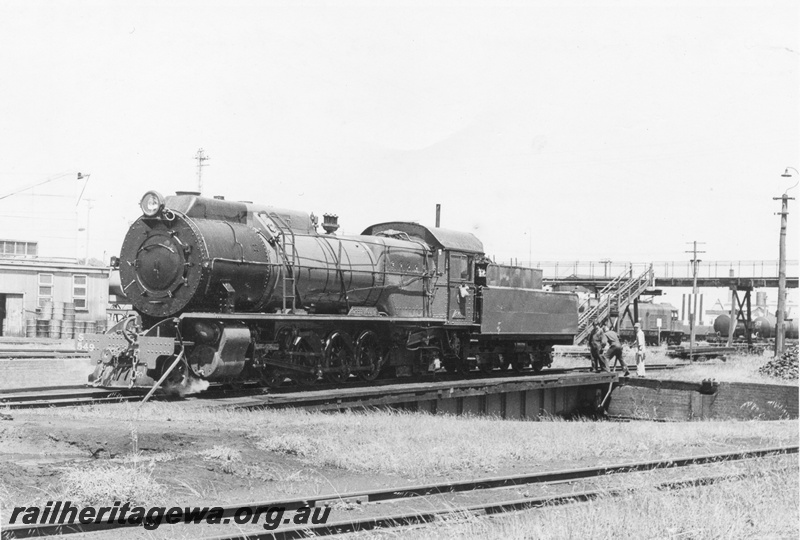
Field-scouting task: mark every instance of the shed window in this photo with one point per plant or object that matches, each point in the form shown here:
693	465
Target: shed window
79	292
45	288
17	248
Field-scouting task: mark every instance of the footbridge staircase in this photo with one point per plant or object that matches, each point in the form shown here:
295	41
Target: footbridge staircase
614	299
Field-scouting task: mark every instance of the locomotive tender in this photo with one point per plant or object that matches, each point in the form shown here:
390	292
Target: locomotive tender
233	291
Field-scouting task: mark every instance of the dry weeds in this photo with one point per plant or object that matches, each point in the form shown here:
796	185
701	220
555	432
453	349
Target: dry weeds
762	505
421	445
107	483
417	445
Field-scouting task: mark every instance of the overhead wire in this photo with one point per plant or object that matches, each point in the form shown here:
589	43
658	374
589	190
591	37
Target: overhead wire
35	184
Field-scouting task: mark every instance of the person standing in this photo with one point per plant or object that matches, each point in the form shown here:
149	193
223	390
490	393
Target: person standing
614	350
597	341
641	351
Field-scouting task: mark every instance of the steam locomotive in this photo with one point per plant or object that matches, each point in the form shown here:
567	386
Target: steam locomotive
233	291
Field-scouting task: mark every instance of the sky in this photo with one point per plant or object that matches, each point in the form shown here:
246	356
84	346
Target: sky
551	130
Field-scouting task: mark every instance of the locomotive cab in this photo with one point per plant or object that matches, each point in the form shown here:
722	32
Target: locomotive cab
451	286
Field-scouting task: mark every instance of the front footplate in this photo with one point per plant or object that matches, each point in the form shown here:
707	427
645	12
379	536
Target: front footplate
122	361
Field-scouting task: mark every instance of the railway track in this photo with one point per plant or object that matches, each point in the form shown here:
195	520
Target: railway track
493	494
64	396
316	396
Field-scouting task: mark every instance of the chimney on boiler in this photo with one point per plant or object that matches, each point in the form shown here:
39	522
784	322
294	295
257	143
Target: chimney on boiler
330	222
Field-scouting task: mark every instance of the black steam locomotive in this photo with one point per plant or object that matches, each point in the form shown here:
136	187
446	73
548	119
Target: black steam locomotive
232	291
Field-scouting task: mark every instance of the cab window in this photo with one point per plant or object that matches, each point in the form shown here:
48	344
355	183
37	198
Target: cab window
459	268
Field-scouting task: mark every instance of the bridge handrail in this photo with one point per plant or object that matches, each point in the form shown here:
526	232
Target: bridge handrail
667	269
626	290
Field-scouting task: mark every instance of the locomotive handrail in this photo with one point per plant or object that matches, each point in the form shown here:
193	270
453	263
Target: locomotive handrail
236	241
337	258
287	270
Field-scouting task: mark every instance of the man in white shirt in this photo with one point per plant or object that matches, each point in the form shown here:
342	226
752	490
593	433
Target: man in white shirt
641	352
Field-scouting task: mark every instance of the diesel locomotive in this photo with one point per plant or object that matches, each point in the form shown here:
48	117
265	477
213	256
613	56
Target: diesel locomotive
659	322
230	292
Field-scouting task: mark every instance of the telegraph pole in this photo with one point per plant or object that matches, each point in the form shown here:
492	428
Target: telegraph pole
200	157
693	299
88	221
780	341
85	178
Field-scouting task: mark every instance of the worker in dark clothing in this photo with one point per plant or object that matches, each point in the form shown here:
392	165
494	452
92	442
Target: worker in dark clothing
597	341
615	350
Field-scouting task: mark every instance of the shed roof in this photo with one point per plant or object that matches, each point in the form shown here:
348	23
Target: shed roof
35	264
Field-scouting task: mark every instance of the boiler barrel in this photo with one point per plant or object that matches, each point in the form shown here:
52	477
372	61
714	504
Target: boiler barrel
202	264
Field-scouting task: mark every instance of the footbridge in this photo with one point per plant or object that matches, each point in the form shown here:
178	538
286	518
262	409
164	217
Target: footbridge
739	275
618	285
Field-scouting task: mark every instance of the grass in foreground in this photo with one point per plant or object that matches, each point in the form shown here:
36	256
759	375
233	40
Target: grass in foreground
421	445
103	485
762	506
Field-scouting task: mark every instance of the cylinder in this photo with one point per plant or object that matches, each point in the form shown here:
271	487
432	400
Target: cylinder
100	326
224	360
88	327
68	329
42	327
69	311
30	327
47	310
55	329
58	311
761	299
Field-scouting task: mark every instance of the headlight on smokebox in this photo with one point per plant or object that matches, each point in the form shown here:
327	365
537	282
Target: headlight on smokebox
152	203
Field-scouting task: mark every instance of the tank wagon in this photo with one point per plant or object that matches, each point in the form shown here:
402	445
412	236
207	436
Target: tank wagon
232	291
763	328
